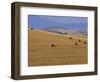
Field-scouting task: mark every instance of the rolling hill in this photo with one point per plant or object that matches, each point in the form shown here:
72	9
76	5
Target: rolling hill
66	31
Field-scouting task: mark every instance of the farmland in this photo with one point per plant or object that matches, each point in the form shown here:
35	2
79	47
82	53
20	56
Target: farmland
64	52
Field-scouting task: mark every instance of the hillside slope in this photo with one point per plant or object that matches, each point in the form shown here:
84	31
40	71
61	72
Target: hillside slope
64	52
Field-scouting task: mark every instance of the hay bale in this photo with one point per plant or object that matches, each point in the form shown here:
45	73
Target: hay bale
85	42
70	38
75	43
79	40
52	45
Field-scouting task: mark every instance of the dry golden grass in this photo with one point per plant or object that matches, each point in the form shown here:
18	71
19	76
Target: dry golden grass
65	52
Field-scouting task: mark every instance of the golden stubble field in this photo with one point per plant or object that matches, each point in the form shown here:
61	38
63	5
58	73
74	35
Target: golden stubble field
64	52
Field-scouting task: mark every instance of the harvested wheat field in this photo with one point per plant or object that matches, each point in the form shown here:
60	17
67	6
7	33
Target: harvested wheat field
46	48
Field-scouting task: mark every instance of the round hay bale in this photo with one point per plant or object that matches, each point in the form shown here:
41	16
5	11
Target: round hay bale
52	45
79	40
70	38
76	43
85	42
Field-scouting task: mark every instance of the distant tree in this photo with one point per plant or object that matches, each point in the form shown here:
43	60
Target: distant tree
31	28
65	33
